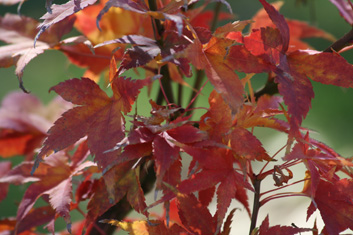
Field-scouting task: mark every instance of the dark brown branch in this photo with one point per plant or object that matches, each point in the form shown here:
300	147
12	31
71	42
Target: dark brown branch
256	205
153	7
341	43
270	88
166	81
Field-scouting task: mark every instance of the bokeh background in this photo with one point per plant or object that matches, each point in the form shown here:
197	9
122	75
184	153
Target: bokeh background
331	116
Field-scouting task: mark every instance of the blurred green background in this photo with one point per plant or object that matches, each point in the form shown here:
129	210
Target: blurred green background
331	115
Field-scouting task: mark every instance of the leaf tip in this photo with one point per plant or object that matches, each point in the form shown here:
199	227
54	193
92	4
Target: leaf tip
104	221
41	30
21	86
36	164
68	227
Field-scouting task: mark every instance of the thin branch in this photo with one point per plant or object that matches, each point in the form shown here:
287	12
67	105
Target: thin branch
200	74
256	203
192	102
341	43
282	195
263	168
285	186
166	89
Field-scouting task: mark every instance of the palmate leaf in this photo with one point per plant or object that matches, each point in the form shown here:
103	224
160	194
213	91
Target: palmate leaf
145	49
195	216
334	201
216	168
97	116
218	122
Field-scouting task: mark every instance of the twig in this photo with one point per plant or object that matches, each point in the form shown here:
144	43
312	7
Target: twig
341	43
256	204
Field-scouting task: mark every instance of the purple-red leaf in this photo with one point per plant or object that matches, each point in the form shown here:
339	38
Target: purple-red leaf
98	116
280	23
345	8
246	145
297	93
165	154
324	67
334	201
117	182
195	216
221	75
60	12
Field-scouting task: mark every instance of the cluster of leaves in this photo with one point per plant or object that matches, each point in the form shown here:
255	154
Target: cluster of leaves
165	39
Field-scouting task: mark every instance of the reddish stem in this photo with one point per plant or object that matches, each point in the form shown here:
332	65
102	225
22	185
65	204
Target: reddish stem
282	195
196	95
263	168
279	188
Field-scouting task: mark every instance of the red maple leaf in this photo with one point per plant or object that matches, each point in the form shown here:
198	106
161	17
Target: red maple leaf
334	201
118	181
266	49
298	30
97	116
150	137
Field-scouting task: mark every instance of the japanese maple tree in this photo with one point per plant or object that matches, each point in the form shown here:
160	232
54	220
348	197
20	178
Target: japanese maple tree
88	146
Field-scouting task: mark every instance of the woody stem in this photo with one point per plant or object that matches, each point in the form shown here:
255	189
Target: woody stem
256	203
